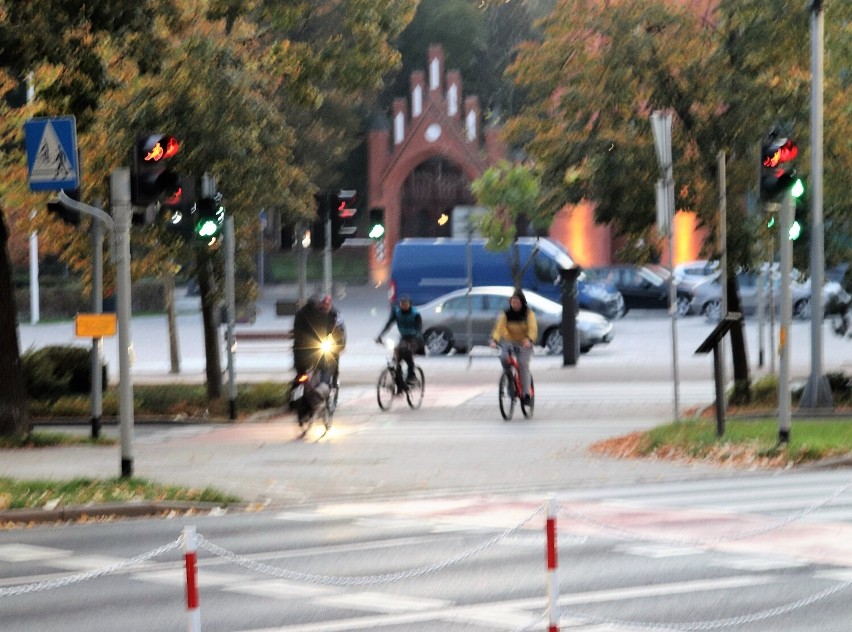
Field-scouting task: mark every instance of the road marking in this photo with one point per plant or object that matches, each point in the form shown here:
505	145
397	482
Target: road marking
519	612
279	589
30	553
658	551
382	602
758	563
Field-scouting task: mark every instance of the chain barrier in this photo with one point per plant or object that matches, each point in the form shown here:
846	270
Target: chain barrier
741	535
365	580
718	624
362	580
93	574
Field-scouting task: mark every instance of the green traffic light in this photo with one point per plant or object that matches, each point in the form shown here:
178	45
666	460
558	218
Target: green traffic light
798	188
376	231
795	230
207	228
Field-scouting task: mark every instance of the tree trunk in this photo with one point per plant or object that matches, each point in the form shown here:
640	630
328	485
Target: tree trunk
14	410
742	383
210	320
174	345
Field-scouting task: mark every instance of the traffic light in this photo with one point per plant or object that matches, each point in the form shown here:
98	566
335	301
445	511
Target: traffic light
343	219
208	219
777	172
347	203
67	215
153	176
377	224
799	228
178	210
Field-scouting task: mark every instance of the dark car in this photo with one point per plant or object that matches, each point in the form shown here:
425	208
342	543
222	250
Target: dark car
641	287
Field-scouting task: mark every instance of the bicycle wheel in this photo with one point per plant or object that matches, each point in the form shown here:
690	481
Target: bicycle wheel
507	396
414	394
333	393
527	409
385	389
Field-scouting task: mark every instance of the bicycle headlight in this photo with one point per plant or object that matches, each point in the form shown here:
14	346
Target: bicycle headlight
326	345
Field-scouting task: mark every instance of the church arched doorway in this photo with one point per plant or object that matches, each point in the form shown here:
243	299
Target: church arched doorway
429	193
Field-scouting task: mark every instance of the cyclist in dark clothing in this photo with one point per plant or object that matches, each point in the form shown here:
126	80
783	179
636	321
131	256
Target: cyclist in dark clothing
410	326
314	322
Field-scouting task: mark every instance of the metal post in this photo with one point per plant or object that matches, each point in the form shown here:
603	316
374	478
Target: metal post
34	297
721	403
817	393
121	212
231	313
97	308
661	125
786	306
326	259
553	614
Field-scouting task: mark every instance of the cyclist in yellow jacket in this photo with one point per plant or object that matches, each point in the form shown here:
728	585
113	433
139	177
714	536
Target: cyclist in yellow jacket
517	326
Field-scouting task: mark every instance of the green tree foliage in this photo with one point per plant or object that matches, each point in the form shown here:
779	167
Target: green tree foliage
728	77
61	38
510	193
260	92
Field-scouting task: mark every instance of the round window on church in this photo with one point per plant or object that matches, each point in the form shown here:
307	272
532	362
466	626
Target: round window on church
433	132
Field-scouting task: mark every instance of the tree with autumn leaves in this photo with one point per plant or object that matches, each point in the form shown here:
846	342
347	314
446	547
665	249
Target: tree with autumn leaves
260	92
728	71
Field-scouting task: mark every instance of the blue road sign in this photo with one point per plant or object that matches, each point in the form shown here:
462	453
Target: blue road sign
52	153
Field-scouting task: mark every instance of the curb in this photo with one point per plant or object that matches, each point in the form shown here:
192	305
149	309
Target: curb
122	510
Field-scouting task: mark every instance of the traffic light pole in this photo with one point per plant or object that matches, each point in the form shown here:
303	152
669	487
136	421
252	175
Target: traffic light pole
101	219
817	393
122	212
786	307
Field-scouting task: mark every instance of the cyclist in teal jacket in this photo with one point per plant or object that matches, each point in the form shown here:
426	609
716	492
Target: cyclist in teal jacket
410	325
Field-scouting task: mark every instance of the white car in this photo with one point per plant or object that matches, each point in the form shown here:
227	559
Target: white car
445	320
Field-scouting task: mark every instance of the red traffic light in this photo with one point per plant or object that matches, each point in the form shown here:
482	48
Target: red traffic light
346	203
164	147
783	150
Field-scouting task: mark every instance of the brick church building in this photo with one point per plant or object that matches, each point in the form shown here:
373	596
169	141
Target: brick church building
421	163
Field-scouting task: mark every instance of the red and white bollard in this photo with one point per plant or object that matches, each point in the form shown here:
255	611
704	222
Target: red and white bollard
191	559
552	563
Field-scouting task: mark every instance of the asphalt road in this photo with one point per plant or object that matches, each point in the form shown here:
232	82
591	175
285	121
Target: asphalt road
431	519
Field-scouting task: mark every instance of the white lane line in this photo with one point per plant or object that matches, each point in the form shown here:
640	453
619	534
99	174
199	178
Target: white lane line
382	602
524	610
280	589
30	553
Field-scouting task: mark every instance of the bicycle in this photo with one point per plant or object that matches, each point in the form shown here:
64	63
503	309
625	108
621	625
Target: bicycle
307	386
389	386
511	389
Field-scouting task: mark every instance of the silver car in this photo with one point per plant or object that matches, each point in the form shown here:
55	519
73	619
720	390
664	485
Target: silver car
445	320
707	297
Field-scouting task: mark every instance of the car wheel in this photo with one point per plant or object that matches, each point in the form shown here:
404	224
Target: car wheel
553	341
802	309
438	341
682	306
713	310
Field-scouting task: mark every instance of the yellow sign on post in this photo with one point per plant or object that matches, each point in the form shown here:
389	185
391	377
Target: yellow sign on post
94	325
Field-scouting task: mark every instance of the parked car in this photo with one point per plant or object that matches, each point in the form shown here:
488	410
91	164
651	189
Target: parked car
696	272
641	287
445	320
425	269
707	297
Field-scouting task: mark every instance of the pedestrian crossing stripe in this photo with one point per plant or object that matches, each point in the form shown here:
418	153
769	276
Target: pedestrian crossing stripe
52	163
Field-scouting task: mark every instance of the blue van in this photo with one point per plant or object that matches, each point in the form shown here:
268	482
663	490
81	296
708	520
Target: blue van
426	268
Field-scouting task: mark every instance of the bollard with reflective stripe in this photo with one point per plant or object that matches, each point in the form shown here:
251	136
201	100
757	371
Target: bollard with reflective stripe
552	563
191	559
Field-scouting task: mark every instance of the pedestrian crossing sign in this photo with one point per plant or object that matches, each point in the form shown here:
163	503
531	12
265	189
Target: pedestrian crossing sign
52	153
